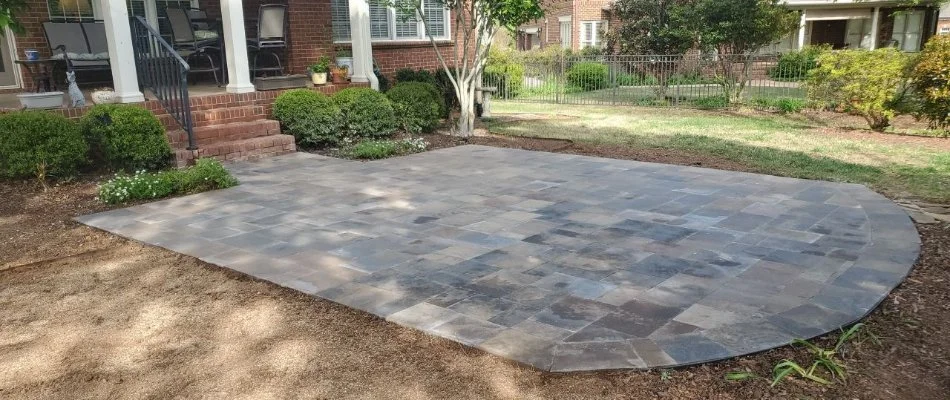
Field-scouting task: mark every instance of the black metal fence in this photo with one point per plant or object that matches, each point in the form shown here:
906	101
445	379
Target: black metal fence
650	80
161	70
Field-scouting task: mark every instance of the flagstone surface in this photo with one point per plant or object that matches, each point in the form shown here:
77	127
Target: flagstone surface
560	261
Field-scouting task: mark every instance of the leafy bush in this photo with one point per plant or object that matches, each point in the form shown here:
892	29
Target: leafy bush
126	137
377	149
794	65
206	174
36	143
312	117
588	76
418	105
420	75
931	78
867	83
366	113
784	105
504	71
718	101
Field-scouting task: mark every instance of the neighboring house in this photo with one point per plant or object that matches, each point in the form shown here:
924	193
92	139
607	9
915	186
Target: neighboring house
943	23
228	122
864	24
570	24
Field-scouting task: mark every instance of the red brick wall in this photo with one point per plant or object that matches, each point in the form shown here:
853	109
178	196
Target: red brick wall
33	38
579	10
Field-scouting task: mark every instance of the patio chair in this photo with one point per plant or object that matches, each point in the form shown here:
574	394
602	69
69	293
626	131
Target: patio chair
271	36
201	24
70	40
190	46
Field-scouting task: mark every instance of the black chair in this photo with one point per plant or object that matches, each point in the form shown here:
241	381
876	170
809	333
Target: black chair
192	46
271	36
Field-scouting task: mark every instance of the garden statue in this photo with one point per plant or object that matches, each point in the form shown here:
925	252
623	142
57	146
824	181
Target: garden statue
75	95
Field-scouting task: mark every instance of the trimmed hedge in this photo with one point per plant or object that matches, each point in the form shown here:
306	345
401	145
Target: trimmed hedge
588	76
33	142
312	117
418	105
366	113
126	137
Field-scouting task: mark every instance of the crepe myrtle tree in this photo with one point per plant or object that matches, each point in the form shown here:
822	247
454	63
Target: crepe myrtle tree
474	25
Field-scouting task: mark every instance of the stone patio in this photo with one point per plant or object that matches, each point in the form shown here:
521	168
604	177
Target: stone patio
559	261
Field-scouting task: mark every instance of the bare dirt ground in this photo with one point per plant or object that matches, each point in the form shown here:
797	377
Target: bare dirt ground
84	314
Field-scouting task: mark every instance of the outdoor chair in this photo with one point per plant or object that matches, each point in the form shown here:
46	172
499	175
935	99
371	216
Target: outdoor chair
201	24
84	44
271	36
190	46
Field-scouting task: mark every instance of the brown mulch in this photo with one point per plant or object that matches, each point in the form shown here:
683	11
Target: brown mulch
86	314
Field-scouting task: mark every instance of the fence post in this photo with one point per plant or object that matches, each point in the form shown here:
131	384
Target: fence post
559	78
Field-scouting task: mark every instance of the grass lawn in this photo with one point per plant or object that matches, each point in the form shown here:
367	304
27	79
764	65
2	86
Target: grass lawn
644	95
795	146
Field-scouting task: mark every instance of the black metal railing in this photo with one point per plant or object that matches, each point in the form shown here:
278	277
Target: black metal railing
162	70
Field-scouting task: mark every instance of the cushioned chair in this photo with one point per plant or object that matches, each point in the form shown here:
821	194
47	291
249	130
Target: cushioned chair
190	46
84	43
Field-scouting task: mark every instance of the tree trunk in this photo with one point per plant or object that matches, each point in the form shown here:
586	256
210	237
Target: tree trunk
466	122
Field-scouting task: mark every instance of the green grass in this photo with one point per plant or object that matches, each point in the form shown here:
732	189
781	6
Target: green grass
773	144
644	95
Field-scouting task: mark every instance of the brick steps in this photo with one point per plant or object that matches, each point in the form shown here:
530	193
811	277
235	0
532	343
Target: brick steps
228	115
205	135
239	150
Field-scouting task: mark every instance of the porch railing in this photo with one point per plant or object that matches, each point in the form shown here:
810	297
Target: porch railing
162	70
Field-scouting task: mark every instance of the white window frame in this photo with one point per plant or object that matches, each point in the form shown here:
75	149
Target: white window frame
151	10
420	29
569	43
597	40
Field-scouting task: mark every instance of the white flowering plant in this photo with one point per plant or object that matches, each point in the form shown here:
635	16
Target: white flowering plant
376	149
206	174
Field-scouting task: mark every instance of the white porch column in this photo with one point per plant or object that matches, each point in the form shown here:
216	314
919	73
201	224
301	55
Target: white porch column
121	56
875	26
362	47
801	31
235	44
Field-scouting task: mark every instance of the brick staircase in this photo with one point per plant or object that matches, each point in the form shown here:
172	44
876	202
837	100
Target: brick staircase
228	130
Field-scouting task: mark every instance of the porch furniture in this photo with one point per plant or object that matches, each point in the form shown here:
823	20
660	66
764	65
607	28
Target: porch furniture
271	37
190	46
205	28
41	72
84	43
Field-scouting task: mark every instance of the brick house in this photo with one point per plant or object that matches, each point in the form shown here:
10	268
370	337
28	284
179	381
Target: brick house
570	24
943	23
230	121
861	24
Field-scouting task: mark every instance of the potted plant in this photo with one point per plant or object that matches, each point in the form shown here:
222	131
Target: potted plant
318	71
103	95
340	74
344	58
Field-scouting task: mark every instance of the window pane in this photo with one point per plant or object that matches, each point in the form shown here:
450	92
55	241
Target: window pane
566	34
340	17
378	21
435	18
70	10
407	25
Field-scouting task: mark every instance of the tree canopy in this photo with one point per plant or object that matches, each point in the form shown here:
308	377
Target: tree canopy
743	26
9	9
654	26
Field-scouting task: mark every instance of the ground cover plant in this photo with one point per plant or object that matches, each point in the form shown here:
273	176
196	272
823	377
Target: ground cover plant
378	149
206	174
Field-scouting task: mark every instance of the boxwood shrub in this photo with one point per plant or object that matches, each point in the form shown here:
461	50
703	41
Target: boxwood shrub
588	76
418	105
126	137
312	117
366	113
39	141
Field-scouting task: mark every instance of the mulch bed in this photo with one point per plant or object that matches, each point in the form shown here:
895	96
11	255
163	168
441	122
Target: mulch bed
47	261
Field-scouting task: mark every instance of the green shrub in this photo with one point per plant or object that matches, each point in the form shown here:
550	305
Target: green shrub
588	76
206	174
504	71
34	143
419	106
420	75
794	65
718	101
126	137
366	113
784	105
866	83
931	78
377	149
312	117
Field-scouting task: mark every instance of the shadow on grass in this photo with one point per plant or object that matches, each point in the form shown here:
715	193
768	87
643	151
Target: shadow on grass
894	180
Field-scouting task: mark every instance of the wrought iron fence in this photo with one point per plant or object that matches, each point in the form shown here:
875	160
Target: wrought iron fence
161	70
693	80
